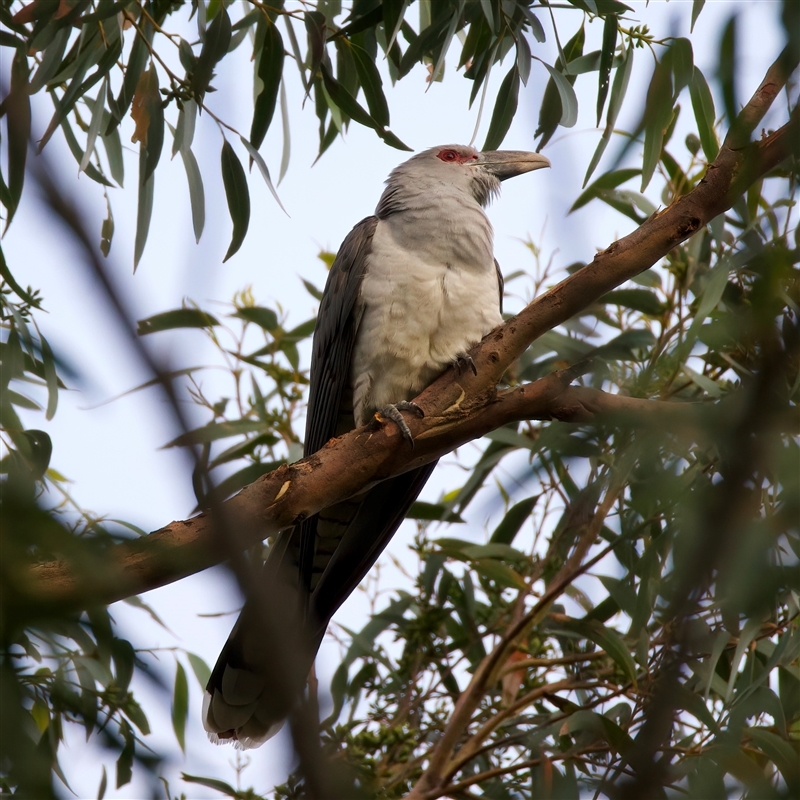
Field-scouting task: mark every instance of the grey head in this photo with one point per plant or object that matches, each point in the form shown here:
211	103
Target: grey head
454	169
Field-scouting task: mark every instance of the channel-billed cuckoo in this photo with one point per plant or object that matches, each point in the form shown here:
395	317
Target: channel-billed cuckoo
412	289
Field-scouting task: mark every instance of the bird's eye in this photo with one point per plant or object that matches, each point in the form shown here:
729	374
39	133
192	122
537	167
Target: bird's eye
448	155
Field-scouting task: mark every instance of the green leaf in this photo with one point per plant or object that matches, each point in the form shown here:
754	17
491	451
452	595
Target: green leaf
270	71
432	511
704	114
197	195
746	636
51	376
92	51
17	106
515	517
101	789
52	57
113	146
552	107
180	705
696	706
265	318
263	169
496	550
211	783
504	109
499	572
287	140
137	61
637	300
610	641
569	100
618	89
5	273
177	318
245	476
238	196
780	752
217	430
371	84
125	760
610	27
681	60
657	117
350	106
608	180
215	46
94	125
144	208
727	69
201	670
184	130
697	7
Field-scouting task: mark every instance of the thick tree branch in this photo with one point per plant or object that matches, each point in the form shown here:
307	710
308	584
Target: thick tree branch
458	407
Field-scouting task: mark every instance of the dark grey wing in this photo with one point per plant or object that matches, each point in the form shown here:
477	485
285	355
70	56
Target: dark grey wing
335	335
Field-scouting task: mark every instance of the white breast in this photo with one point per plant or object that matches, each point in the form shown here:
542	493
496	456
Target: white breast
423	301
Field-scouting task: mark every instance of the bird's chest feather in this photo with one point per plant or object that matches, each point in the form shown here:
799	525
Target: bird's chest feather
422	304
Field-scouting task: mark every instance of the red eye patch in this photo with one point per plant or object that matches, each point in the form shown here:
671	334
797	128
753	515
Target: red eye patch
455	157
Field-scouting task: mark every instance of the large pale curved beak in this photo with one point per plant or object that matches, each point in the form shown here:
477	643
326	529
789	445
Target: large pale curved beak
508	163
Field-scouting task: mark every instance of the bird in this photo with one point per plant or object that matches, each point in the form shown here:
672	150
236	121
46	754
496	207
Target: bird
411	290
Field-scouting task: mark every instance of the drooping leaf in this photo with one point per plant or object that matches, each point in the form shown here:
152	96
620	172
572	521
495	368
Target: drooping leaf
697	7
552	109
618	89
215	45
270	72
184	131
264	170
201	670
137	61
265	318
180	705
144	209
18	114
371	85
350	106
656	119
238	196
610	27
514	519
197	196
608	180
569	100
94	125
704	114
177	318
637	300
504	109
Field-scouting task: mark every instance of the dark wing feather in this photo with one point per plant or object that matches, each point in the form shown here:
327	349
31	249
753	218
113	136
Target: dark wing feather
335	336
330	396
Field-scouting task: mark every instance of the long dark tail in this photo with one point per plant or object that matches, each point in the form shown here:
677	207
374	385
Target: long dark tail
265	663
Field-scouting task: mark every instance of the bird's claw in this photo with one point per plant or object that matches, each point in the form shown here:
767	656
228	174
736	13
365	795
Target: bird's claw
392	412
462	362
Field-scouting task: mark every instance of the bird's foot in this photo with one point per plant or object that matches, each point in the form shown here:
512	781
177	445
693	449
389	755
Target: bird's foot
462	362
392	412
